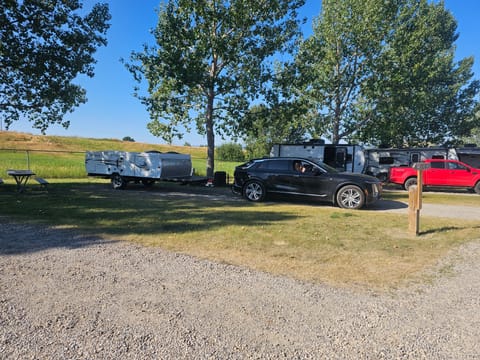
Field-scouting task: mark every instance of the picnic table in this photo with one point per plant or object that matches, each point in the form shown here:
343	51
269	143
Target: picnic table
21	177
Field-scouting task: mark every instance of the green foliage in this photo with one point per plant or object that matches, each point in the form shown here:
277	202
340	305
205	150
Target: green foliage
335	62
128	138
210	61
419	95
230	152
44	46
384	73
264	126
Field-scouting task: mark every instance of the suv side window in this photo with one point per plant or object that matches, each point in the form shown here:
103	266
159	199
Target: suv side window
279	165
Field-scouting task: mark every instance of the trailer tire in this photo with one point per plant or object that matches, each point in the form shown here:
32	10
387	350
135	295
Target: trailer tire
410	182
118	182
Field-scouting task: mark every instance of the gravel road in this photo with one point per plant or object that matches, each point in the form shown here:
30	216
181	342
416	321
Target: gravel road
68	296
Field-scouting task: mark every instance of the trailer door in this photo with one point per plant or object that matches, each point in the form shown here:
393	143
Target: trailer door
336	157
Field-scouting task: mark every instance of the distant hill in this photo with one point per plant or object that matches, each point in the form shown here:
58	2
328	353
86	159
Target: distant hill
25	141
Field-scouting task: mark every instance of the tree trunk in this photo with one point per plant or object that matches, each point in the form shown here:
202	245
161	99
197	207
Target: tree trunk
210	136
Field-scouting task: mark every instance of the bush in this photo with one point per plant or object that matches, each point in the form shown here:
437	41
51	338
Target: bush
128	138
230	152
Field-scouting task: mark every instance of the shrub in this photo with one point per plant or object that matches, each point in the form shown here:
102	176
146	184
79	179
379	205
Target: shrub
230	152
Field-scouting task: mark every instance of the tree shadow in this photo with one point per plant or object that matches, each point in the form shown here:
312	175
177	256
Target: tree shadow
16	238
88	210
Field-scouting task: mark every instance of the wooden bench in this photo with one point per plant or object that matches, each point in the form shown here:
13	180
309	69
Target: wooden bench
43	183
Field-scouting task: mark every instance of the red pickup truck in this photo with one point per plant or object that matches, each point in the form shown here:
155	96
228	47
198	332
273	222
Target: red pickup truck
441	173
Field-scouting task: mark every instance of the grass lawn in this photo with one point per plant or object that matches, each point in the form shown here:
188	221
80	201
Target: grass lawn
311	242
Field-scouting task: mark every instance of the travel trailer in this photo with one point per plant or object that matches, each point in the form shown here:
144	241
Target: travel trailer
379	161
349	158
374	161
123	167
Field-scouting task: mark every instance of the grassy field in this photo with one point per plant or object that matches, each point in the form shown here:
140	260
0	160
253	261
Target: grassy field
312	242
60	157
307	241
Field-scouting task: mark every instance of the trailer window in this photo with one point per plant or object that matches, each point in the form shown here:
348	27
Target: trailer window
386	160
414	158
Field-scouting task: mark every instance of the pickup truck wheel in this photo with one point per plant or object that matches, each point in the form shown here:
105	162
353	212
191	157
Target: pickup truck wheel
254	191
350	197
477	188
410	182
118	182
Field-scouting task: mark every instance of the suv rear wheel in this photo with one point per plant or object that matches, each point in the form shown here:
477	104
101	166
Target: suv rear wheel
254	191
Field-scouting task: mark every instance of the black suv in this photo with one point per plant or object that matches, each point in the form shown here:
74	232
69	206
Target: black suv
297	176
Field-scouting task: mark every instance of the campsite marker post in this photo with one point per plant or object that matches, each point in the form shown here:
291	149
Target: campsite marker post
415	199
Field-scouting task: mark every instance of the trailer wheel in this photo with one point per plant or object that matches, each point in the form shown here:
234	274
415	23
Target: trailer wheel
118	182
410	182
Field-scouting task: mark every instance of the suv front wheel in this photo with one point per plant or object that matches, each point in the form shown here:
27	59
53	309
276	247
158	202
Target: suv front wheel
350	197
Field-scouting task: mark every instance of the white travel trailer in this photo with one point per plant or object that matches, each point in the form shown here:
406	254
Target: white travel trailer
470	154
342	157
375	161
146	167
378	161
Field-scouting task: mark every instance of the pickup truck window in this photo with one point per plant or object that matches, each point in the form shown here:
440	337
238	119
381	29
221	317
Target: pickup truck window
455	166
437	165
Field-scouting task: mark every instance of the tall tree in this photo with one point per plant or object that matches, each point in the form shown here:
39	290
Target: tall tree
264	126
337	60
418	94
384	73
44	46
211	60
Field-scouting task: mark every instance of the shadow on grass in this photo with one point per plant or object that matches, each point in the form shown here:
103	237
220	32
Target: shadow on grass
386	204
96	209
444	229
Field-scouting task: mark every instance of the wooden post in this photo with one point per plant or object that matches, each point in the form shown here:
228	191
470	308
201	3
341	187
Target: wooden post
413	210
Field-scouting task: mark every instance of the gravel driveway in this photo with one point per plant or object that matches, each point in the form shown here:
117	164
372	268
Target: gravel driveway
67	296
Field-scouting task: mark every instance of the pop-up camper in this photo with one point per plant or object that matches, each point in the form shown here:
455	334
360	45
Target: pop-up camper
146	167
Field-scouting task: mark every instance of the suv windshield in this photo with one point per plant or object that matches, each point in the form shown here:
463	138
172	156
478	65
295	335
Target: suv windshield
326	167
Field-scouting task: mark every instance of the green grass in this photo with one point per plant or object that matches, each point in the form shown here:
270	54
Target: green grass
306	241
312	242
60	157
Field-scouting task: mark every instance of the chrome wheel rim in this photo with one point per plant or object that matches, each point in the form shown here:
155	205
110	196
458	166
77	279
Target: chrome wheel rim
351	198
254	191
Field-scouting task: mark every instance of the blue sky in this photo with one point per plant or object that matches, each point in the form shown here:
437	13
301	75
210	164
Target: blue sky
113	112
